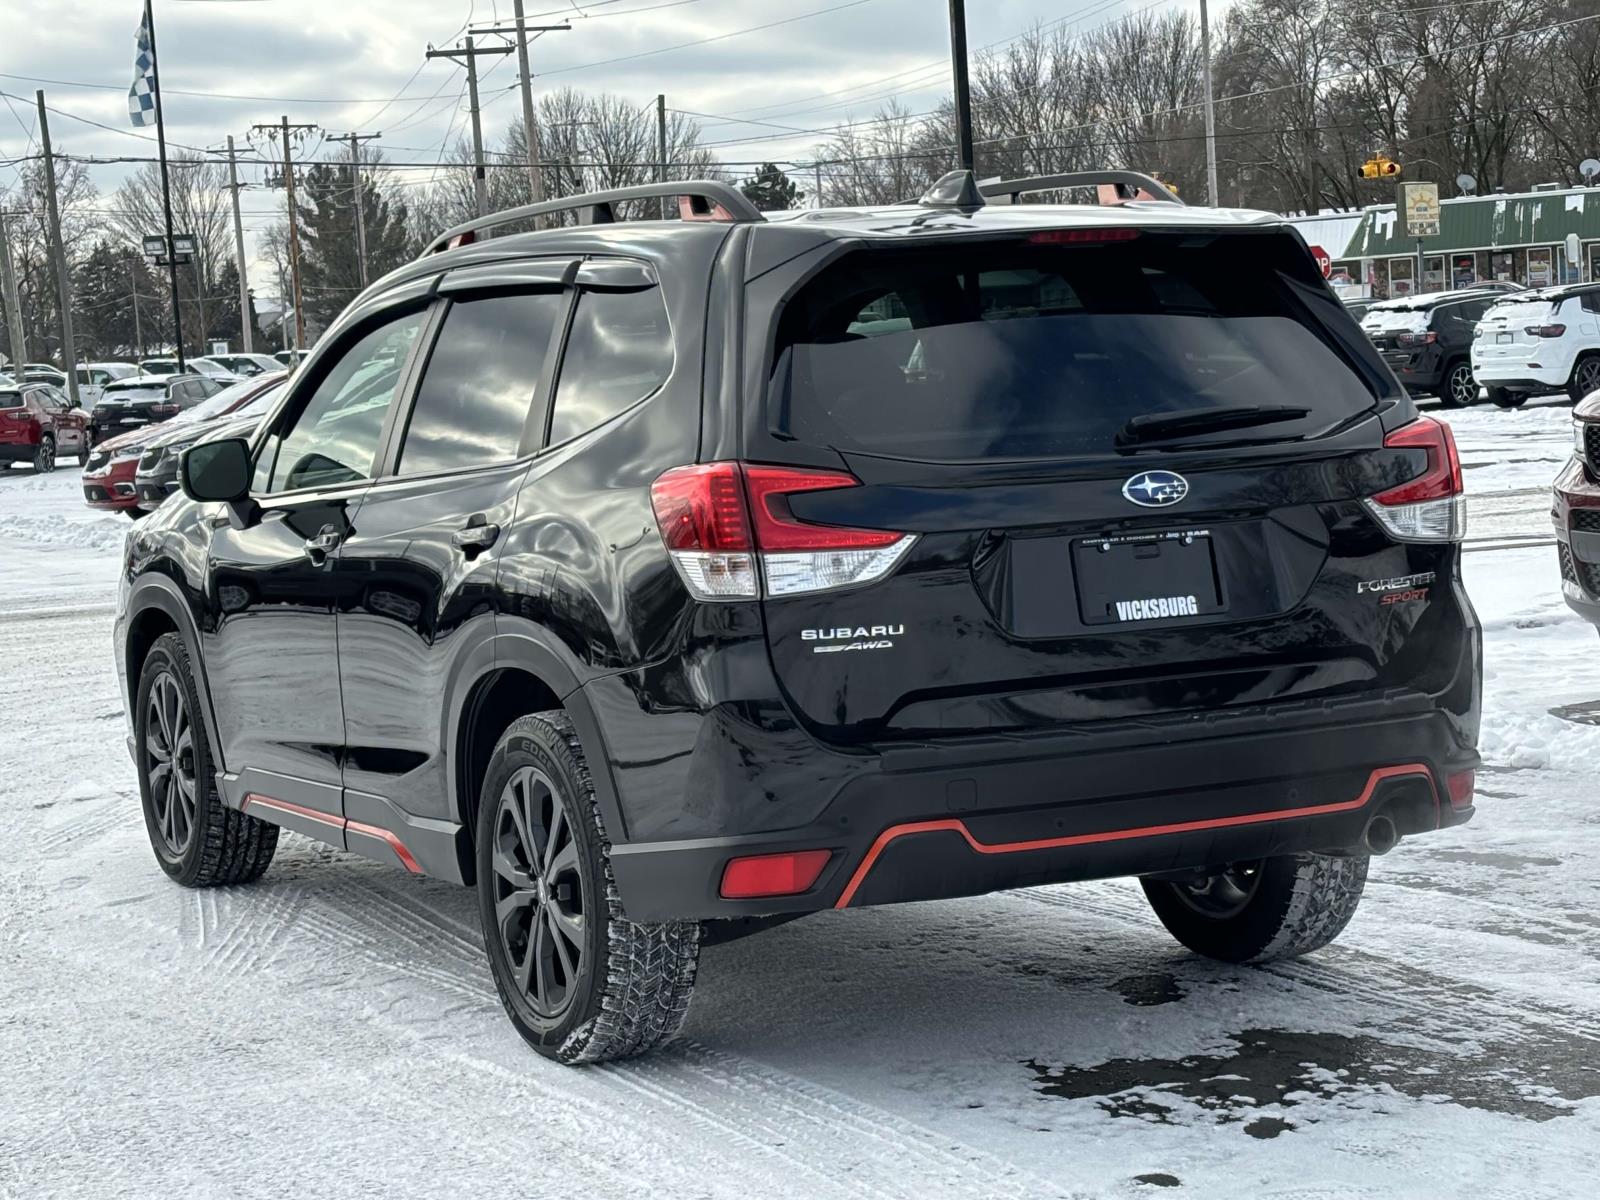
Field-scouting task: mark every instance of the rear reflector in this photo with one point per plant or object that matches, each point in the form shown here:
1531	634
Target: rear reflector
721	521
1460	787
773	874
1430	507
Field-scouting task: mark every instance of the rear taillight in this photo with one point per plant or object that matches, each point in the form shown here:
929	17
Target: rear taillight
164	410
1545	331
1417	339
1430	507
729	530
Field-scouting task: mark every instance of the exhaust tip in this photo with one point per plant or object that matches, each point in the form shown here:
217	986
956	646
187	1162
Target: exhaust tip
1380	835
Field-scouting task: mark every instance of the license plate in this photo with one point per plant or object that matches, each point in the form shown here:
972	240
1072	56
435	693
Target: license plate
1502	339
1134	578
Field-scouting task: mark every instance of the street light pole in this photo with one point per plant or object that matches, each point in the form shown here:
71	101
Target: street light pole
958	65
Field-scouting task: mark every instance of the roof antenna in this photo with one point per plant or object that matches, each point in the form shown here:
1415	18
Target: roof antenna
958	190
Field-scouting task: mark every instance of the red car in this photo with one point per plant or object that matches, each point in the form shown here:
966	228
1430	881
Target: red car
1576	514
108	474
38	425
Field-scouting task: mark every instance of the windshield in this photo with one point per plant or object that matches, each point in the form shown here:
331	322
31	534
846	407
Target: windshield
1008	351
158	366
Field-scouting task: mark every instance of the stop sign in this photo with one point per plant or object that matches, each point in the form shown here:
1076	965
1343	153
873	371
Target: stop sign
1324	263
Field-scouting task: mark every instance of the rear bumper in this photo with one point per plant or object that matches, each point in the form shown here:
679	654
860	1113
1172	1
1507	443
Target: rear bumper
934	827
15	452
1515	377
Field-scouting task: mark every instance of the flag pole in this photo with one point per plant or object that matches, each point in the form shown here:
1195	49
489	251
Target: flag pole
166	186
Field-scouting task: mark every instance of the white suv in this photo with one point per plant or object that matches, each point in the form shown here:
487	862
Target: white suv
1536	342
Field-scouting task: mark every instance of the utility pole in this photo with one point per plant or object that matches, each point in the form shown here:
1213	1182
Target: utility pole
530	131
818	168
359	191
138	328
958	64
8	292
470	53
69	358
284	129
246	333
661	149
1211	110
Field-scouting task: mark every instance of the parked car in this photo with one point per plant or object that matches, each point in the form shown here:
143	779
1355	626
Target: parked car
44	373
38	425
1427	341
291	358
1538	342
93	377
239	408
144	400
1359	306
247	365
615	571
199	364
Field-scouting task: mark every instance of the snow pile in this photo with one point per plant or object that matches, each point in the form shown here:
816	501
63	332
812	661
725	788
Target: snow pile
98	533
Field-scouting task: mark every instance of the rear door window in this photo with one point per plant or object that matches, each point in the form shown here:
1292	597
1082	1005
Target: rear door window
1045	349
480	386
618	352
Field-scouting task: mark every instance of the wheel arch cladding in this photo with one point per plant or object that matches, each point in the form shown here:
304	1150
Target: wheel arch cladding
156	608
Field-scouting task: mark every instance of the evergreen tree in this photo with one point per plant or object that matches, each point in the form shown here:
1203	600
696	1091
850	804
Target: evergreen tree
771	190
330	275
222	308
103	287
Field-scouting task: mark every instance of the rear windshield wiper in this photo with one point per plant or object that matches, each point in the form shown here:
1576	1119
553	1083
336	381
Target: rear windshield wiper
1155	427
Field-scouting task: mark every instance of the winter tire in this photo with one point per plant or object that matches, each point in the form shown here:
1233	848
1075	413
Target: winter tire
1460	388
1501	398
1585	378
44	458
581	983
1257	912
197	839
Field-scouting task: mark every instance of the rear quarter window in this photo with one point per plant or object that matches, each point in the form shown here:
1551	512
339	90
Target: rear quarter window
618	352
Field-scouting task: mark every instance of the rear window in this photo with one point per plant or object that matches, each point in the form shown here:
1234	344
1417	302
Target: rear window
1047	350
10	399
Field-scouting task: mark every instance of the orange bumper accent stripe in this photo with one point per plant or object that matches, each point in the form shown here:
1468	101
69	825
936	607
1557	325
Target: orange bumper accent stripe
954	825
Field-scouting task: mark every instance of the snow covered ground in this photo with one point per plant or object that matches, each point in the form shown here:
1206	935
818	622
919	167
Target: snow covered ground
333	1030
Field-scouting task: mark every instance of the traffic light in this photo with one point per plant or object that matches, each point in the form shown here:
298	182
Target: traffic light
1379	167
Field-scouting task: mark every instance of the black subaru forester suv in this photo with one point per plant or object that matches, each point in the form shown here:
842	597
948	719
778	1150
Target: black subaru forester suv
664	580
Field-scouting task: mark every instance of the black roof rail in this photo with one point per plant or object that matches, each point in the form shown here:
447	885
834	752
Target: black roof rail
1127	183
705	196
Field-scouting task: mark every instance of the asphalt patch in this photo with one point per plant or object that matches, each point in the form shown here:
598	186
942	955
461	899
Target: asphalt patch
1149	990
1284	1070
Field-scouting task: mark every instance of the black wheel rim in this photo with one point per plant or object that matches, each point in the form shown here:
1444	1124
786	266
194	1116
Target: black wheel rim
1588	377
1223	895
47	457
1463	387
538	893
170	763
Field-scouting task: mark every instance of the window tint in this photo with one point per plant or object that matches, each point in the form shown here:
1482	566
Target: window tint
619	351
479	384
10	399
334	438
1032	350
1591	302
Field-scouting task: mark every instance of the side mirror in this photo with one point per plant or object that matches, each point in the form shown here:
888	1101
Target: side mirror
219	472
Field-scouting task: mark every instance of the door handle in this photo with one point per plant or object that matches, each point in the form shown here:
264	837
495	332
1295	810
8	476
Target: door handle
325	543
476	536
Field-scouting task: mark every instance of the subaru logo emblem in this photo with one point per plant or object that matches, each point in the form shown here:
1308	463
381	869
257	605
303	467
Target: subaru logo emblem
1155	489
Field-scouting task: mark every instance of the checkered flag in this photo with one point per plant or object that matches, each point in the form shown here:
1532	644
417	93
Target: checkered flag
141	96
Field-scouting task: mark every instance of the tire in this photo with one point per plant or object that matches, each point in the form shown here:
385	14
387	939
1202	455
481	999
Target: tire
1259	912
198	840
1501	398
629	987
132	513
44	458
1585	377
84	449
1459	388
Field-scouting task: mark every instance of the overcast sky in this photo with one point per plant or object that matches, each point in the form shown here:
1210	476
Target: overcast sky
358	64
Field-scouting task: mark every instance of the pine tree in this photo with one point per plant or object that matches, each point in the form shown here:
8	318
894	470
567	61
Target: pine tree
103	287
771	190
330	275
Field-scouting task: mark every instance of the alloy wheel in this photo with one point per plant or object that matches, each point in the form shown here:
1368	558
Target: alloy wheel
44	460
169	753
538	892
1463	387
1223	895
1588	376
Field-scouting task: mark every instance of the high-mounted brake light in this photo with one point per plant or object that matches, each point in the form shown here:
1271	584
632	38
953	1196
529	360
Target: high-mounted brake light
1081	237
722	521
1431	507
